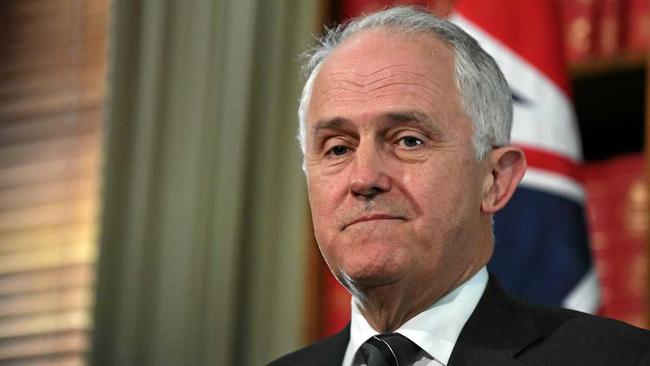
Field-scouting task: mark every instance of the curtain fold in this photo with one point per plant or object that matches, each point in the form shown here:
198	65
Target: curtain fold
205	219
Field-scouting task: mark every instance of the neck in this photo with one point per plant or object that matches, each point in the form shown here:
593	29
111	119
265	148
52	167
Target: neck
386	308
386	315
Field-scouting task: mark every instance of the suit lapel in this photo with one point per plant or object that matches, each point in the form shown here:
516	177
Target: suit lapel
498	330
332	350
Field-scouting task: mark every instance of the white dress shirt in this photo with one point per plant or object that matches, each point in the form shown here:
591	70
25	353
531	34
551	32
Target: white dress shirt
435	330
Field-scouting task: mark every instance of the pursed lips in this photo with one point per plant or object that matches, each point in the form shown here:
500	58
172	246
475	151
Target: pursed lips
373	217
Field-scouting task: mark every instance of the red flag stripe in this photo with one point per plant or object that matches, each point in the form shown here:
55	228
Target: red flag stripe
516	24
549	161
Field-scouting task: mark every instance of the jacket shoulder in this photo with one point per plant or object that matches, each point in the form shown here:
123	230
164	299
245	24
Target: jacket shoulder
570	334
329	351
503	331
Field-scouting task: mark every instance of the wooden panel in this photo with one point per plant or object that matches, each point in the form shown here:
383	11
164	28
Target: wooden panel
66	359
50	344
46	301
52	126
55	192
53	101
52	77
44	323
61	169
60	278
38	152
46	215
45	236
51	257
56	60
71	24
42	82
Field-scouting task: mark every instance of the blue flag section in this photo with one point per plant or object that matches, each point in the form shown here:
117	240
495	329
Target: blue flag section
540	260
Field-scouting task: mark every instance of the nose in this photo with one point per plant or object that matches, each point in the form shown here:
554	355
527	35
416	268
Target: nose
368	177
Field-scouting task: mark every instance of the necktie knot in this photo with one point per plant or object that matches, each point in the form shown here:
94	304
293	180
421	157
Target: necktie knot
389	349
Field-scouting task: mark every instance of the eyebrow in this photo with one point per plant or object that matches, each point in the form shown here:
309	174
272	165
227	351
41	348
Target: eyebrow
410	116
336	123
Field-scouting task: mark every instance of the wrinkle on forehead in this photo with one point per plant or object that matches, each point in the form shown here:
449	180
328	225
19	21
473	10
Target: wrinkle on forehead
377	69
390	80
376	76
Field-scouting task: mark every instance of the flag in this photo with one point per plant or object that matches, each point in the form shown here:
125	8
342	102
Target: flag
541	249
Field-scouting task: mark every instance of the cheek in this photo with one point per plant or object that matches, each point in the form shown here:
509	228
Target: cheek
322	195
428	189
442	195
324	198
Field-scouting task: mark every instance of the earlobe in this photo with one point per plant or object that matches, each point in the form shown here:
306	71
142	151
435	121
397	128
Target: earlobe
507	167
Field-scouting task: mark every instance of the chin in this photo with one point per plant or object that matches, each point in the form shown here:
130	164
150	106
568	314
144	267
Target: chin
367	287
371	275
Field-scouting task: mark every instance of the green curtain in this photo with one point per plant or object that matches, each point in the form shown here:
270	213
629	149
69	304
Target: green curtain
205	219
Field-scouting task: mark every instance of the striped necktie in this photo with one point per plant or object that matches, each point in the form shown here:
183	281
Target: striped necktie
390	349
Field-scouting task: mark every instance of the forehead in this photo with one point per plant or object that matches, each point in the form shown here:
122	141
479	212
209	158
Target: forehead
390	42
380	68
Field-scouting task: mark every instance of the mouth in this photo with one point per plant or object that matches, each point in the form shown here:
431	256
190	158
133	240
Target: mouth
374	217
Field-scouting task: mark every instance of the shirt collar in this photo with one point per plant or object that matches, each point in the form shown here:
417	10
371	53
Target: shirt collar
436	329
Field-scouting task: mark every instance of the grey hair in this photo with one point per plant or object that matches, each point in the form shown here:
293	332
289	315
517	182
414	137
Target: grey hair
485	94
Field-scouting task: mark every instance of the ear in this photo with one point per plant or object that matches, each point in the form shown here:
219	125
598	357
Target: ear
506	166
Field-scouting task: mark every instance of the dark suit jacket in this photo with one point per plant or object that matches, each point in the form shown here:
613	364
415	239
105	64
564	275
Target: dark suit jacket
504	331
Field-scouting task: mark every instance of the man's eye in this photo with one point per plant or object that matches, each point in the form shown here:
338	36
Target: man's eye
410	141
339	150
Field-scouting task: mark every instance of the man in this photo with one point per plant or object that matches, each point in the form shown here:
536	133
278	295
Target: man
404	126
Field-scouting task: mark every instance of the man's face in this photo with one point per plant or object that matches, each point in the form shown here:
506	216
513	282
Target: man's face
394	186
